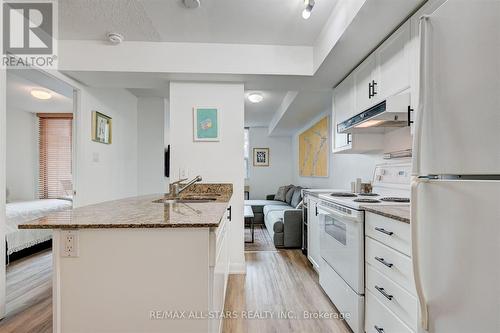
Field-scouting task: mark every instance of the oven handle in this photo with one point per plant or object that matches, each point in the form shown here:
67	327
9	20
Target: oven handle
325	211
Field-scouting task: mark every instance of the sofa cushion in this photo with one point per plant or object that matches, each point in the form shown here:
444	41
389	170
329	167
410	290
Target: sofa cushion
273	208
289	195
281	194
263	203
297	197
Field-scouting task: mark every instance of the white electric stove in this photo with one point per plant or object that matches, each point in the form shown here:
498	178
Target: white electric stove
341	219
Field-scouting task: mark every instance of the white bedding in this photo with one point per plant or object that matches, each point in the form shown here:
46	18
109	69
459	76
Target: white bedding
25	211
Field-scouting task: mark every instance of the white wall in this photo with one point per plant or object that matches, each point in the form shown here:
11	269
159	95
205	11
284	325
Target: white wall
106	172
22	155
343	168
150	145
266	180
216	162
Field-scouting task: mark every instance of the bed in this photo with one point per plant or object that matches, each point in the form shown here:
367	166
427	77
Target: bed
24	211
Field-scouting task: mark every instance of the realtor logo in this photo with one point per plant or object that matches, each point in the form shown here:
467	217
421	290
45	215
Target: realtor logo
28	34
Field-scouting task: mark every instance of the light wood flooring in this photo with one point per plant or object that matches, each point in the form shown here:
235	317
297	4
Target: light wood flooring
29	295
279	281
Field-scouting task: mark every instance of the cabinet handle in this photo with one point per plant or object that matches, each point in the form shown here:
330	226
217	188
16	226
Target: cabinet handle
229	216
349	139
382	260
369	90
382	291
382	230
316	210
379	329
373	88
410	110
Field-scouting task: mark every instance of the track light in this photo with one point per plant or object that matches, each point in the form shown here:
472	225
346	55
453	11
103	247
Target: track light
306	13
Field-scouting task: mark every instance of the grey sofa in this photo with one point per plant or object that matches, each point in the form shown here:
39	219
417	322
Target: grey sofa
282	219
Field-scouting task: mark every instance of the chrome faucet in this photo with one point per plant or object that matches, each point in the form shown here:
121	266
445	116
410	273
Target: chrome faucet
176	189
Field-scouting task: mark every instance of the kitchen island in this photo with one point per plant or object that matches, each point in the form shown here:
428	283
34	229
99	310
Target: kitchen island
145	264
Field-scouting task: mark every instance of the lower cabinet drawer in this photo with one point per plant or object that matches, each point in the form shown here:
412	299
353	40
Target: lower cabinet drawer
393	264
397	299
379	319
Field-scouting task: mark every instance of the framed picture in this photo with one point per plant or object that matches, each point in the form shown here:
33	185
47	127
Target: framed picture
206	124
261	157
101	128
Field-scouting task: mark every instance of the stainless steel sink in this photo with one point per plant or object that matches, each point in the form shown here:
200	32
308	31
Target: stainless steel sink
172	201
191	199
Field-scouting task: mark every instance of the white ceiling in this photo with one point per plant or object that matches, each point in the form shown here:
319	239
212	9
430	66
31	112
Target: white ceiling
314	92
19	97
215	21
260	114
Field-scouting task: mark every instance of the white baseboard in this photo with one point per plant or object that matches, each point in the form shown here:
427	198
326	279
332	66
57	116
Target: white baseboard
237	268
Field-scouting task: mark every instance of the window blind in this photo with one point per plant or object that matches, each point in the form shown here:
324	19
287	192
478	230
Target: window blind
55	149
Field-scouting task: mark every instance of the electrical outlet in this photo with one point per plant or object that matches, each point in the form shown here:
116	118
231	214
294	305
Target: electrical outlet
69	243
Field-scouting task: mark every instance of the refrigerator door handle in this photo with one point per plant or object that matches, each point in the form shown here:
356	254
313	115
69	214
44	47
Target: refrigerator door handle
424	315
423	95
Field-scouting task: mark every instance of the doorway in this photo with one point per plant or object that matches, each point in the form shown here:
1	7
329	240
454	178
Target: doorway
39	162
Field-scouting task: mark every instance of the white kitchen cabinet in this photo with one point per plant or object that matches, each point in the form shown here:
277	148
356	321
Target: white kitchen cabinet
366	84
391	303
343	108
313	232
393	61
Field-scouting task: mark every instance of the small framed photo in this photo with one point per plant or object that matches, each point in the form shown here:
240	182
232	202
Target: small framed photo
101	128
206	124
261	157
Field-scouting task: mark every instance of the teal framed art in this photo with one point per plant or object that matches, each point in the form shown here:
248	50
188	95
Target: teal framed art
206	124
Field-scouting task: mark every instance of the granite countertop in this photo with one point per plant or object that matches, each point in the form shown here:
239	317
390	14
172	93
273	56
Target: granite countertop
148	211
396	212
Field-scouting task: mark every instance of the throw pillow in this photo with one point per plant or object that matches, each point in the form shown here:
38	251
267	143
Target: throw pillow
289	194
297	196
281	194
299	206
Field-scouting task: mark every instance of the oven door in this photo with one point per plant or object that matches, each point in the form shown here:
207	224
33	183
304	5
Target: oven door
342	245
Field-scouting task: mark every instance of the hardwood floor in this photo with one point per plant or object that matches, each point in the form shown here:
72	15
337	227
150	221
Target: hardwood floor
276	281
29	295
262	239
279	282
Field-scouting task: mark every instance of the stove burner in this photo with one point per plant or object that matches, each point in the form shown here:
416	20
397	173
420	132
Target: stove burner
368	200
368	194
343	194
395	199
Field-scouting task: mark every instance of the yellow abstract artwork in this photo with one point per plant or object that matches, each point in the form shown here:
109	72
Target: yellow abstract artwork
313	150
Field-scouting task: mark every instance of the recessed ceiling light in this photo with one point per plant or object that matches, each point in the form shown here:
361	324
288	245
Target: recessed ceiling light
192	3
41	94
306	13
255	97
115	38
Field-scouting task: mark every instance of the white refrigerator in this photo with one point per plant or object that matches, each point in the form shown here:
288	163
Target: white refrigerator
455	199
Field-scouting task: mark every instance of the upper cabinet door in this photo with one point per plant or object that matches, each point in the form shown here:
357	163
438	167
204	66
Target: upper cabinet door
393	61
365	77
343	108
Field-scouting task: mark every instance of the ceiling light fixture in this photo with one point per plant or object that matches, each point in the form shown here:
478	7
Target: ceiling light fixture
41	94
306	13
255	97
115	38
192	3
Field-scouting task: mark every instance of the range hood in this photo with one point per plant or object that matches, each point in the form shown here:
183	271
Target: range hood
393	112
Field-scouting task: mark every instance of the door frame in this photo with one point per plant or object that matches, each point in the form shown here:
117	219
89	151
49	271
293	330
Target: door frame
3	137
